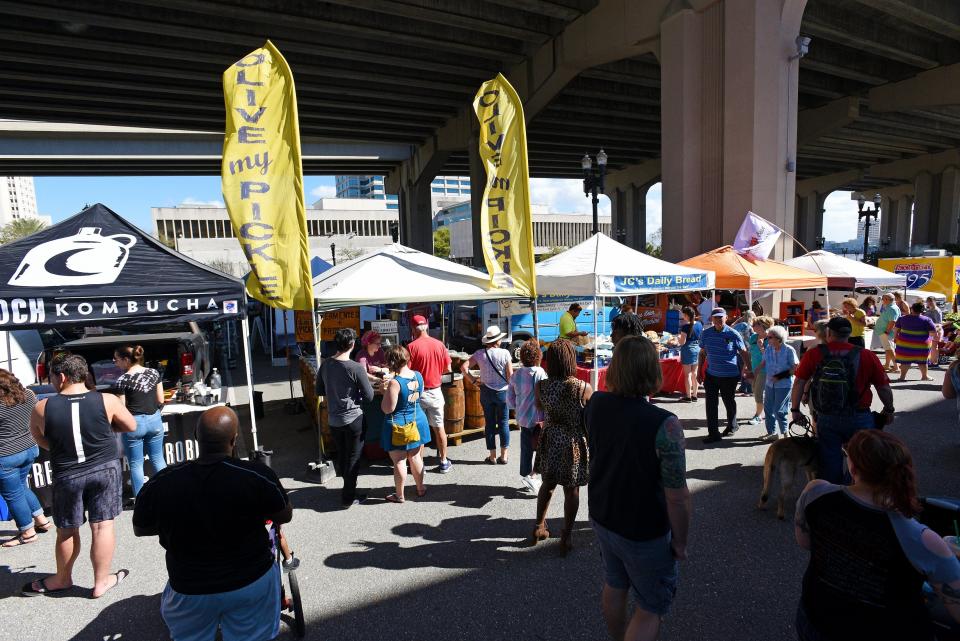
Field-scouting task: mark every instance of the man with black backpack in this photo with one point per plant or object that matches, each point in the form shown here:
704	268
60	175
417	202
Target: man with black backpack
835	379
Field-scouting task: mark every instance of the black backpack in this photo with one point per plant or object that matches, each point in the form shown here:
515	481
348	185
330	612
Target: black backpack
833	389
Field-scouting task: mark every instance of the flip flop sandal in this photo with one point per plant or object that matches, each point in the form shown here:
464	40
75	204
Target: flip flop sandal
47	527
121	575
393	498
20	540
29	590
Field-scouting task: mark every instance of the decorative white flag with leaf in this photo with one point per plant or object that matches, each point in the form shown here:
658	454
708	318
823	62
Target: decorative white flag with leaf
757	236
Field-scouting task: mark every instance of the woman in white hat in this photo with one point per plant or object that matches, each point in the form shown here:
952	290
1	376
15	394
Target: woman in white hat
494	364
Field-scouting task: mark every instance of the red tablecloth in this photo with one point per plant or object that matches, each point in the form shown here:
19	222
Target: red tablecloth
672	376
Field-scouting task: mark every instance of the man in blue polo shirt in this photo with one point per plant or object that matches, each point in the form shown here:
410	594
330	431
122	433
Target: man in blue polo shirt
720	346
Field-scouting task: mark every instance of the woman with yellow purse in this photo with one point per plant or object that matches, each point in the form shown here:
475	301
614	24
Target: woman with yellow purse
405	430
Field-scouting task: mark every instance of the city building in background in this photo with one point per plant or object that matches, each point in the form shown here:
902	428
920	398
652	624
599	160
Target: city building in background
444	190
874	232
345	227
549	230
18	199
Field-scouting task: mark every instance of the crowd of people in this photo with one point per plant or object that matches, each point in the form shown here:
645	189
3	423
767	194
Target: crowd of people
629	451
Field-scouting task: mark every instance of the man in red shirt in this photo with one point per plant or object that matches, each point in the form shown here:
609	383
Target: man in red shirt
840	415
431	358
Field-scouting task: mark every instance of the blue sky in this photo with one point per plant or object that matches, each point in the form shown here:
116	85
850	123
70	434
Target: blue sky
132	197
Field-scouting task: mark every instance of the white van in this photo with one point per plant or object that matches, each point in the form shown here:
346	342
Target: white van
20	352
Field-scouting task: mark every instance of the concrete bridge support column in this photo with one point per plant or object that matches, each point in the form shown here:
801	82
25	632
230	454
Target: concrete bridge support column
926	211
628	208
808	221
729	121
949	209
416	222
889	214
900	237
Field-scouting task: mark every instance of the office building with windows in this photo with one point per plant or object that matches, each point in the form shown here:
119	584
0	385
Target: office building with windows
346	227
18	199
444	190
549	230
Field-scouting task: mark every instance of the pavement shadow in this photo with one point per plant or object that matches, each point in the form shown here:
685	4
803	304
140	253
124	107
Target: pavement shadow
467	542
126	619
323	499
13	577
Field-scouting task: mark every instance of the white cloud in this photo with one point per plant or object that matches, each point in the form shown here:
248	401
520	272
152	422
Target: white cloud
324	191
839	217
190	201
564	196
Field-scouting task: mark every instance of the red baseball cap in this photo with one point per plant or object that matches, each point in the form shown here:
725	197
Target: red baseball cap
419	320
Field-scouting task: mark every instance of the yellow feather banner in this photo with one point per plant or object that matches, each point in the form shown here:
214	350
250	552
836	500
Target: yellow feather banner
262	178
506	228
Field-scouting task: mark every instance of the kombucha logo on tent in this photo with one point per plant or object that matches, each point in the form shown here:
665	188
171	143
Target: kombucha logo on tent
86	258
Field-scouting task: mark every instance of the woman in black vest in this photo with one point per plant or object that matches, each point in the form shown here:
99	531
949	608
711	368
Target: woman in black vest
639	501
869	557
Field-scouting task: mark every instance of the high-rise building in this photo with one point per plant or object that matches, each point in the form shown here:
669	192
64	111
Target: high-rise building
874	232
444	190
17	198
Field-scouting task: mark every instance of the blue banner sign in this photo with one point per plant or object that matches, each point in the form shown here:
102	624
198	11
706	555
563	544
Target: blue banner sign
660	283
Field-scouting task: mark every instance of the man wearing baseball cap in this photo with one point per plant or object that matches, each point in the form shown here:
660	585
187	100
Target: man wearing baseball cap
720	346
840	410
431	358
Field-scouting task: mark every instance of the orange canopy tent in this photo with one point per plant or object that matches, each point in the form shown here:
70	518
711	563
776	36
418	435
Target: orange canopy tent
738	271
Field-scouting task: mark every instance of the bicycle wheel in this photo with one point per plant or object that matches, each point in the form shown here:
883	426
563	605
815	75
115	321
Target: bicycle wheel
299	625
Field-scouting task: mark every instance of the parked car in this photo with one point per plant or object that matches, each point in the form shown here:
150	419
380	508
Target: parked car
21	351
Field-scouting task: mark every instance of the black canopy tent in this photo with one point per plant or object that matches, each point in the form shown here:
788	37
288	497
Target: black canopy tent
97	269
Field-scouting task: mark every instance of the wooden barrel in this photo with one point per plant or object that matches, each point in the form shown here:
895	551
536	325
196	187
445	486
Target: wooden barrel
474	411
453	406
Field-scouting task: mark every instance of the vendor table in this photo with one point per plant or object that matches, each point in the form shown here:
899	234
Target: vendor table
179	445
670	367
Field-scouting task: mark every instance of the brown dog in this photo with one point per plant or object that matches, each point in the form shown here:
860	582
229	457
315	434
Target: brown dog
788	455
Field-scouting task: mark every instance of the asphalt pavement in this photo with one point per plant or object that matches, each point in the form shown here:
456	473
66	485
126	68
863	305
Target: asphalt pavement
456	564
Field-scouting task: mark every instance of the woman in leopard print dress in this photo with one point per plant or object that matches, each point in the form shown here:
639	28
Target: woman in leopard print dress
562	454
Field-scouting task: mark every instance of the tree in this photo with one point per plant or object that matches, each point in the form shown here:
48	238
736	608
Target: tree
441	242
654	246
20	228
348	253
550	253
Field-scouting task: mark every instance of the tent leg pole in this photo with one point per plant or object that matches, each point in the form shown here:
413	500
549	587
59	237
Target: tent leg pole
246	361
9	352
595	375
536	320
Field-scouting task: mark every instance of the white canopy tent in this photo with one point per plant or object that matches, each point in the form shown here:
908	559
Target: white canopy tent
844	273
600	267
398	274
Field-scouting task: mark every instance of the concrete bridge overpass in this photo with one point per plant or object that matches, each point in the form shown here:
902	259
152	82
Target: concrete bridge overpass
708	96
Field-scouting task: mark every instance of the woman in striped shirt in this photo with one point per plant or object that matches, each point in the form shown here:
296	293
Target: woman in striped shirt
915	334
18	451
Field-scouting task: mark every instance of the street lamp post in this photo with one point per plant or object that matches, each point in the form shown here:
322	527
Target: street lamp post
866	214
820	240
593	181
333	253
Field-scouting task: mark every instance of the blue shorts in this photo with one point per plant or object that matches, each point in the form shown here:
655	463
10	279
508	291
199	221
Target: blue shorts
648	567
250	613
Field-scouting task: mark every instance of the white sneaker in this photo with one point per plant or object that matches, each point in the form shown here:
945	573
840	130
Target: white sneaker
528	483
536	483
770	437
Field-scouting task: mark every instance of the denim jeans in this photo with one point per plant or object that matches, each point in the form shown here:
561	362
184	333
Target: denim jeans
149	437
526	450
833	432
775	400
496	416
23	503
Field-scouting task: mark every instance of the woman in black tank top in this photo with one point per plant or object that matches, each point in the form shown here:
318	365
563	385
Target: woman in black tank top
143	395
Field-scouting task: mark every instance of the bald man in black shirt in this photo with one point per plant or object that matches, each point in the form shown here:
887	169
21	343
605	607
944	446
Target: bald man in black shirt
210	515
